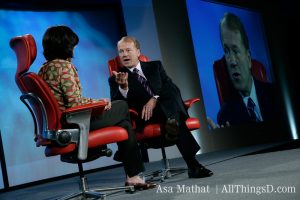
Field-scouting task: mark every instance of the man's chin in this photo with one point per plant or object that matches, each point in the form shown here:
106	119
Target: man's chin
128	66
238	86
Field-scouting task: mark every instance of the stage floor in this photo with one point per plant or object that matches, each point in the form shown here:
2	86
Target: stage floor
269	171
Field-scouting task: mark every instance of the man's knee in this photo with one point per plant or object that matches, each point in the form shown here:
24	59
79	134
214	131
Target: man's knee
121	106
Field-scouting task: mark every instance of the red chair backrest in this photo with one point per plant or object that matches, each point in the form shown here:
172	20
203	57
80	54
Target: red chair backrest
115	63
29	82
224	86
25	49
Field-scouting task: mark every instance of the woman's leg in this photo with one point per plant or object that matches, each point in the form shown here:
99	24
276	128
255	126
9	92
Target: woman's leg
130	154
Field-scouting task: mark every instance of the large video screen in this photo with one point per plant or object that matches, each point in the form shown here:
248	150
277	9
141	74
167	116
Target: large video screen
233	63
98	29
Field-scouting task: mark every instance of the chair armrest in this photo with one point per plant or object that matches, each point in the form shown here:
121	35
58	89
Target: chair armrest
133	113
96	108
81	115
133	116
188	103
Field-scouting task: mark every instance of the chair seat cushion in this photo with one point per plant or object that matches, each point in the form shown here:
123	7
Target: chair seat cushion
154	130
150	131
96	138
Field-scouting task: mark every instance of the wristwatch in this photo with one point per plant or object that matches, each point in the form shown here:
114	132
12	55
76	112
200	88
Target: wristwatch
155	97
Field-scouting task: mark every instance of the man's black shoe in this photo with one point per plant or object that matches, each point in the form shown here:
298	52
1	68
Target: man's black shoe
172	130
117	156
199	172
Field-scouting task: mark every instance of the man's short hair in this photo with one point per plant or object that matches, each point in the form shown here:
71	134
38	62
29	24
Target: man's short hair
233	22
131	39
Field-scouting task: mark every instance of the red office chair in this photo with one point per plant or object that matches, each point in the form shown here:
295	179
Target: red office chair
62	133
154	130
223	84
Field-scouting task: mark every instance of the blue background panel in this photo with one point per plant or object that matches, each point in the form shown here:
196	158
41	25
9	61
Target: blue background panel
98	37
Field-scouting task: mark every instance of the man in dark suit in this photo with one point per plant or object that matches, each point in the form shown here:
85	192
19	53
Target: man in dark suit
252	100
235	110
147	89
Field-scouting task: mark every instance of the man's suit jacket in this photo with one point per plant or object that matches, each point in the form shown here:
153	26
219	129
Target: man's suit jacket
169	100
235	111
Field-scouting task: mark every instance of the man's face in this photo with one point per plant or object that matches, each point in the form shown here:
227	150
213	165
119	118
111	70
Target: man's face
238	60
128	53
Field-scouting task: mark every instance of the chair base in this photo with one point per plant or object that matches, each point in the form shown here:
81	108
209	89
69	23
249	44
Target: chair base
165	173
97	193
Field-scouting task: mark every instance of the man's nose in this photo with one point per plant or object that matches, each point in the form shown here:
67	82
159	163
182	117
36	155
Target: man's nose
232	60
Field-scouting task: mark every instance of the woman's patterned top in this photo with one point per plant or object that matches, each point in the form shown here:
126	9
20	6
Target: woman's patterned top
62	78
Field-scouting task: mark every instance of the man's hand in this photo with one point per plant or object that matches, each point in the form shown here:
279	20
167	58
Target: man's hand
121	79
148	108
213	125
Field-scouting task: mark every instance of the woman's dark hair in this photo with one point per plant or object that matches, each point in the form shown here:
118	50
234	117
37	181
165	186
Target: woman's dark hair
59	42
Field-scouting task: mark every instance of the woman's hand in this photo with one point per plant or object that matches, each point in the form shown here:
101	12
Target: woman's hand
108	106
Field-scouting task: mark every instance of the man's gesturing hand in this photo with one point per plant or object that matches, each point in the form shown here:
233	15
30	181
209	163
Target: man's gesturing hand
121	79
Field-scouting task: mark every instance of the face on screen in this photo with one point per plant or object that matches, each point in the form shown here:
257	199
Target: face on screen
238	60
129	54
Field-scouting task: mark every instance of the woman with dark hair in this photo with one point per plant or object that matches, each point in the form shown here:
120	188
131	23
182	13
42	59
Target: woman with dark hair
62	78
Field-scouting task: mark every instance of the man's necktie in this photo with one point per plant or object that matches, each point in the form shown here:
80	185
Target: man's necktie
143	81
251	107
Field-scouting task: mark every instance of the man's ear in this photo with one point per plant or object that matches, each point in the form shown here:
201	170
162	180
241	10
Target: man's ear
249	58
139	52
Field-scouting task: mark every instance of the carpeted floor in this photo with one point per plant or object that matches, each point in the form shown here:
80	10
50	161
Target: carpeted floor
259	172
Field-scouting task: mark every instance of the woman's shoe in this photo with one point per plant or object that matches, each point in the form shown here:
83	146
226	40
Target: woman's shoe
141	186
